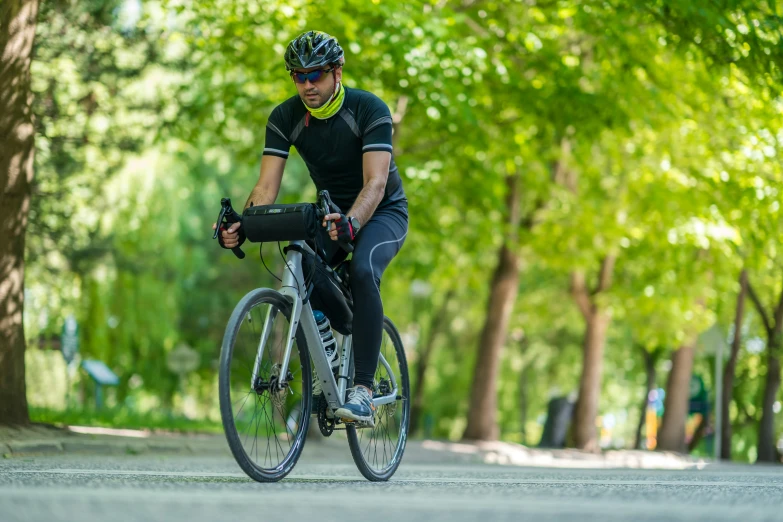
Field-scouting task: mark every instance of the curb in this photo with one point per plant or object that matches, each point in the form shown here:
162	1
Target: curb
39	447
12	449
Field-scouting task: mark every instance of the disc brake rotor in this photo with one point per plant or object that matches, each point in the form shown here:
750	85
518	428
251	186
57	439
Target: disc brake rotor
277	392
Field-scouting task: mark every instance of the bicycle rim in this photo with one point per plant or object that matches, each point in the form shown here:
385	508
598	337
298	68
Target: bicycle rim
265	424
378	451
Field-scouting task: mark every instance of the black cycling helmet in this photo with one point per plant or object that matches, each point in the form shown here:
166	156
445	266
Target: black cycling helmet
313	49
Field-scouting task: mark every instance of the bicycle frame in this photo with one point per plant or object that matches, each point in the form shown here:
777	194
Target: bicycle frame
293	288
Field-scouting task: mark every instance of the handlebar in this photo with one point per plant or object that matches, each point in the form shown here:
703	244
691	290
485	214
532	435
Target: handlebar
324	206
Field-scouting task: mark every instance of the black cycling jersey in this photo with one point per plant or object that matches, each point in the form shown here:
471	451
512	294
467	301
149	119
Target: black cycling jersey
332	149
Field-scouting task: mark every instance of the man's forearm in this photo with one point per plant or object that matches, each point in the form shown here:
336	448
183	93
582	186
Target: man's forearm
367	200
268	184
261	195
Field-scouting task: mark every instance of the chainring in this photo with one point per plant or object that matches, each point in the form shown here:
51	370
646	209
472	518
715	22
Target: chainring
325	424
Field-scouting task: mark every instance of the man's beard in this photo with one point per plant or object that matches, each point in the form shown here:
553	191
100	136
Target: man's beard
319	102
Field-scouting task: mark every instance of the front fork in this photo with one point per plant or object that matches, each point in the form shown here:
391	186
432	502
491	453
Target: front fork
271	314
293	289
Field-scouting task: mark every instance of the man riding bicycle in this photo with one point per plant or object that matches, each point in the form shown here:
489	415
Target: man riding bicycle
344	137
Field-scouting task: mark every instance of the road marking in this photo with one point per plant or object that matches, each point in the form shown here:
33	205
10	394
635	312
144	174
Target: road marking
442	480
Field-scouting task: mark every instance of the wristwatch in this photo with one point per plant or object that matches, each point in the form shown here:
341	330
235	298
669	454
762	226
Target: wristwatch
355	225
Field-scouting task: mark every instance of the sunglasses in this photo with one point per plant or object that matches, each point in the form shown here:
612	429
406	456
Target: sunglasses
313	76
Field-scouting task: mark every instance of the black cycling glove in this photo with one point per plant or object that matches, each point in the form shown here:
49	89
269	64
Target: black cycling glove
345	232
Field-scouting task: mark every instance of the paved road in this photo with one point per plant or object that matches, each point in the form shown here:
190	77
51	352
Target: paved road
326	486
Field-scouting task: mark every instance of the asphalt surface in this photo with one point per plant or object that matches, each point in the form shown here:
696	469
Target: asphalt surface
325	485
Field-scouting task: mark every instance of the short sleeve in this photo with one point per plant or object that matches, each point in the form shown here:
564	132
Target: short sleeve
377	128
276	142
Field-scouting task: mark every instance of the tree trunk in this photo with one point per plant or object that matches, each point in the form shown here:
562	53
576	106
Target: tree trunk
671	436
649	368
597	321
482	423
523	386
17	135
436	325
730	369
482	416
586	409
767	452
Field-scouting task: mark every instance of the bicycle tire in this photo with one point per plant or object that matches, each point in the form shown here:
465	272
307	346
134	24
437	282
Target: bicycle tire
245	461
359	447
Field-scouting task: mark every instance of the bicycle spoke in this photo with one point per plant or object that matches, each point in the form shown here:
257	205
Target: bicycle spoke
274	429
252	341
243	402
255	439
369	441
379	435
268	451
277	437
252	419
285	420
383	431
268	423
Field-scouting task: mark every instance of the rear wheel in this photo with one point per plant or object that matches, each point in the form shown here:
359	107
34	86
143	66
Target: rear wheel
378	451
265	421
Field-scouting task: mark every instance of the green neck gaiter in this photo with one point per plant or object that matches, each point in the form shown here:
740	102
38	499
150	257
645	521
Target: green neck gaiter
330	108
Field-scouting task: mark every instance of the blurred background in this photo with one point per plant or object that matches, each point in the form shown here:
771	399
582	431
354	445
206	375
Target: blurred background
595	253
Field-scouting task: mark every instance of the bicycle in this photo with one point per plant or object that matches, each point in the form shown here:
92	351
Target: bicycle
266	364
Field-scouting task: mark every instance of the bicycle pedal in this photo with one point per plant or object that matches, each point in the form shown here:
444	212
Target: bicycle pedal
355	423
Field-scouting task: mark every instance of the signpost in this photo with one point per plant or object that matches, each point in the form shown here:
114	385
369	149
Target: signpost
69	346
182	360
103	376
69	340
714	341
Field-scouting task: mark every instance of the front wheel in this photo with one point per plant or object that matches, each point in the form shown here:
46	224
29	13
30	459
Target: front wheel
265	413
378	451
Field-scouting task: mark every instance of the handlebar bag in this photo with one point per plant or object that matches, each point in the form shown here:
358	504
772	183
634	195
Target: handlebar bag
292	222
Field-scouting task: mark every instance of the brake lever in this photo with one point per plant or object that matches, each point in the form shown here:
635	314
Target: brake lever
228	216
327	207
219	221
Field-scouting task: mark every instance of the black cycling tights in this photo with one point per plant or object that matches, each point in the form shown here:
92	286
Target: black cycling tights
376	244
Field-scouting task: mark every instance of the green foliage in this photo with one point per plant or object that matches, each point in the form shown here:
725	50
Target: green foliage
658	145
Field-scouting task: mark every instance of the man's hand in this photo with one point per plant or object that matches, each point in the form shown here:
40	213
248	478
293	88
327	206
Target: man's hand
232	237
342	230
